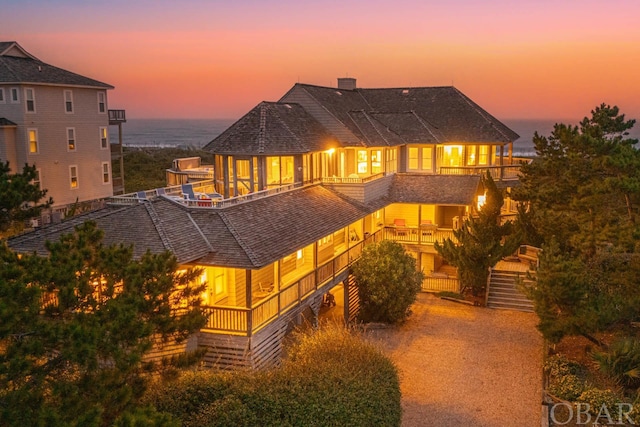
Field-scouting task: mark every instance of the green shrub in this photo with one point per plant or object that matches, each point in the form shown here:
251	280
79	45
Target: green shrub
596	397
388	282
330	377
565	379
621	362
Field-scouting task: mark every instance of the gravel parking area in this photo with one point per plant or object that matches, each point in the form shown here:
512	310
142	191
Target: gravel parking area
466	366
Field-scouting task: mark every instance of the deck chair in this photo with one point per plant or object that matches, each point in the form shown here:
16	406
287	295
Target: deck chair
427	227
187	192
161	191
401	226
141	196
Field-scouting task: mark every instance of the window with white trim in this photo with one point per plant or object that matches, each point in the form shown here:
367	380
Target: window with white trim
71	139
32	135
36	180
102	102
15	95
68	101
420	158
2	100
30	100
104	138
106	176
73	176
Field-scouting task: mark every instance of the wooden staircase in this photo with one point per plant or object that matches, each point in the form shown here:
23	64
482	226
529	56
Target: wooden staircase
503	291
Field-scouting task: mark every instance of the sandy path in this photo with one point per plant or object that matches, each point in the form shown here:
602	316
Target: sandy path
466	366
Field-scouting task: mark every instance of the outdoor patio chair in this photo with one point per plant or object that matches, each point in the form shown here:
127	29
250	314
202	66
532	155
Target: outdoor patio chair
427	227
187	192
400	225
141	196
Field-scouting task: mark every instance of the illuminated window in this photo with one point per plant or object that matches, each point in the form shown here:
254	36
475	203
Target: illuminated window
243	171
73	176
362	161
102	102
33	140
104	138
286	171
30	98
452	155
68	101
427	159
471	155
71	139
105	173
376	161
483	157
273	170
421	158
413	158
392	163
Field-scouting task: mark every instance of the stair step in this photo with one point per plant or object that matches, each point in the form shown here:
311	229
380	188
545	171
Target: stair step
508	302
501	294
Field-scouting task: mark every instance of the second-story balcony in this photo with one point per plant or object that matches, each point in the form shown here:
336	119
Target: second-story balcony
117	116
421	235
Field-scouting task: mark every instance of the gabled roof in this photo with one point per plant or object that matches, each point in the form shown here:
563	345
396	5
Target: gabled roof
273	128
17	66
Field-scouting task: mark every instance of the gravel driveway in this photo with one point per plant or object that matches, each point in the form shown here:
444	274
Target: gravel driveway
466	366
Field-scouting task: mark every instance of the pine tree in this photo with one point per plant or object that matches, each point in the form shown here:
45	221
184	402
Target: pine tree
75	326
20	197
481	242
583	194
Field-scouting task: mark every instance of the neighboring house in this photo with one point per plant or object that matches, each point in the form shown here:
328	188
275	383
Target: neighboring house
306	186
58	121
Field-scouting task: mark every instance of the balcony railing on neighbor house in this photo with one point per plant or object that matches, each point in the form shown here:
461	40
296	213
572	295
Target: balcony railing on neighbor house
117	116
247	321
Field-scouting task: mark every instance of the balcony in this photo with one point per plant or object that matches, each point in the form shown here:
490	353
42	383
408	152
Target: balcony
498	173
248	321
117	116
418	235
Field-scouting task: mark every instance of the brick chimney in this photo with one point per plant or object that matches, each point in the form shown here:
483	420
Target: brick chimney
346	83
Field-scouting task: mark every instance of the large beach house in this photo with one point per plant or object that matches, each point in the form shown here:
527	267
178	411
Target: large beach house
58	121
300	186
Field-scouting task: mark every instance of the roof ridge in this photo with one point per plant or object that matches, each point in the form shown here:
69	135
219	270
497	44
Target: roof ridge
157	223
424	123
195	224
295	136
236	236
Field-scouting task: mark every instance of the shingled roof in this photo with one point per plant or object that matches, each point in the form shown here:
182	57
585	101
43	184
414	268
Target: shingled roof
17	66
440	114
434	189
273	128
251	234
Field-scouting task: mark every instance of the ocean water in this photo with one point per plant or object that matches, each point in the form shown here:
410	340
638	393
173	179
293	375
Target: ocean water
195	133
185	133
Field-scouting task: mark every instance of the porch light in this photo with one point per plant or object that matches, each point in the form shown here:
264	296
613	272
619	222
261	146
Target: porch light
299	254
330	151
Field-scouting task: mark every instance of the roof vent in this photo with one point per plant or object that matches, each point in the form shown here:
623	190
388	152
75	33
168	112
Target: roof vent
405	91
346	83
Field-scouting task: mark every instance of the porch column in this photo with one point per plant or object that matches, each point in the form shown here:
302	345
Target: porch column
248	301
501	162
225	176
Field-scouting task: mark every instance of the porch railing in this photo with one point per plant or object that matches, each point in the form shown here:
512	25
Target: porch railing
440	284
418	235
351	180
499	173
246	321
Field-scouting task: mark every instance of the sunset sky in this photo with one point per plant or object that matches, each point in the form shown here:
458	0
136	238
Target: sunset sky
219	58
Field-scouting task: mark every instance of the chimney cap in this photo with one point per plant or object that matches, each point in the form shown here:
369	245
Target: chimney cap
346	83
